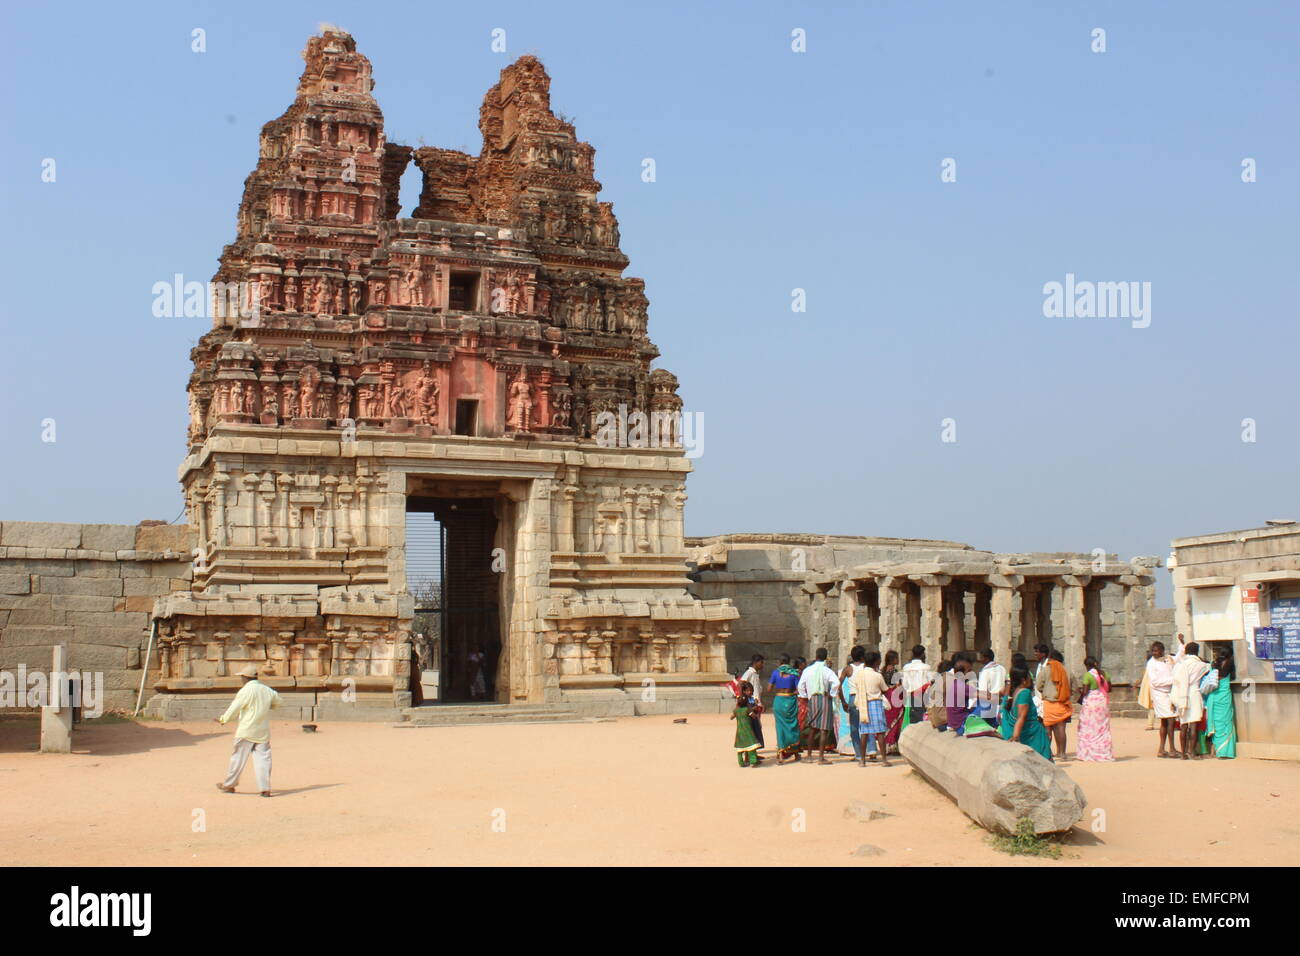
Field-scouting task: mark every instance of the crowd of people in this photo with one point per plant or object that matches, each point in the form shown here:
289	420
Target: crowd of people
860	710
1190	701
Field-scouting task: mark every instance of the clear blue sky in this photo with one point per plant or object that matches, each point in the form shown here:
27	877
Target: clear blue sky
776	171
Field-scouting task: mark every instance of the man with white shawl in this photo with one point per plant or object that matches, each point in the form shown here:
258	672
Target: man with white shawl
1185	697
1160	680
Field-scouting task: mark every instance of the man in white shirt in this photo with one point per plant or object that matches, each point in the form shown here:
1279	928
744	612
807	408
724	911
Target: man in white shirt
819	683
992	680
916	676
253	705
1185	696
1160	681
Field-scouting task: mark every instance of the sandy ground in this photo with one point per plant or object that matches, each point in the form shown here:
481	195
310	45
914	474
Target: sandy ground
637	791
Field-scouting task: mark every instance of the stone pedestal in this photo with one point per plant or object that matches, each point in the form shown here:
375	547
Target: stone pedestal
56	717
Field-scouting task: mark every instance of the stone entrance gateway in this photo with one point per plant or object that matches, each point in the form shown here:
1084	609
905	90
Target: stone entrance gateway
367	365
457	653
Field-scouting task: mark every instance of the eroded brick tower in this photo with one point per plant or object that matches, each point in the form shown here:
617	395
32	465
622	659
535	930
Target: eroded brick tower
361	367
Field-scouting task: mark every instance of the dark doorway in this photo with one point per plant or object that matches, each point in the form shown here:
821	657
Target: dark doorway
466	416
461	618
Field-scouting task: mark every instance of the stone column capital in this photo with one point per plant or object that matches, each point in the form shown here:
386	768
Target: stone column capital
932	580
1004	580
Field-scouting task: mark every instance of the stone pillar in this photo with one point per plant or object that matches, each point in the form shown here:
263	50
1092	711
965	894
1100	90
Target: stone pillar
56	716
954	615
892	615
1137	640
344	536
360	529
981	612
1073	604
566	537
328	534
629	533
1029	633
656	532
816	620
676	528
219	482
932	586
1002	602
848	620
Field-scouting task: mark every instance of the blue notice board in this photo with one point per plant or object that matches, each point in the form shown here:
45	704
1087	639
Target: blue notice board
1268	643
1284	616
1286	670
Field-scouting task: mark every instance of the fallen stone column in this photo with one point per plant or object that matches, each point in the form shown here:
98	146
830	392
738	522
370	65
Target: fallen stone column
995	782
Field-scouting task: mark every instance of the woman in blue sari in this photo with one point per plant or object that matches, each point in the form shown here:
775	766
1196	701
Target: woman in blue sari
1020	721
1220	723
785	708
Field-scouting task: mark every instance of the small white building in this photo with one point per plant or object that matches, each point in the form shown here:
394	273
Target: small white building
1242	589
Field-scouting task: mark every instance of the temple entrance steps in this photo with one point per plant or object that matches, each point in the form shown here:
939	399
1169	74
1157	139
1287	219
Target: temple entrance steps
457	715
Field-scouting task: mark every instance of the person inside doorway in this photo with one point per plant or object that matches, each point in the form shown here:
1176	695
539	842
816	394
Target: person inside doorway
474	664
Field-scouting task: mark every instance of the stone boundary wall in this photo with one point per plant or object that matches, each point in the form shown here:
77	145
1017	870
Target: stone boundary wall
93	587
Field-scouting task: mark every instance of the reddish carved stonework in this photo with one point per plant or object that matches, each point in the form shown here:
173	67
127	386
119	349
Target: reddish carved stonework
505	286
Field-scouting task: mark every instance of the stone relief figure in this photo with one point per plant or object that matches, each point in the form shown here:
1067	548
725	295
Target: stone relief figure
414	290
344	403
515	293
397	400
366	401
235	402
581	417
354	297
269	402
196	418
290	294
322	295
426	395
563	411
290	399
310	380
379	292
543	304
250	396
521	403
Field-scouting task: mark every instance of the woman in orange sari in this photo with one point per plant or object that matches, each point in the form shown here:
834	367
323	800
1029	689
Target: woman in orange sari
1056	713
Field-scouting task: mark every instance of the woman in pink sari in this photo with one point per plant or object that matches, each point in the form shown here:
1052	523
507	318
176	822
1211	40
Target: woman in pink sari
1094	714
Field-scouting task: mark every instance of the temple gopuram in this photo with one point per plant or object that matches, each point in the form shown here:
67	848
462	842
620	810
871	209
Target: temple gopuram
362	368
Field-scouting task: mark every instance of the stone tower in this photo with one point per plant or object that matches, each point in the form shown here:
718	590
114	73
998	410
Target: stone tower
362	367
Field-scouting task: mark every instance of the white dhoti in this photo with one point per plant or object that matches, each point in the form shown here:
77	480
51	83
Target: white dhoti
1160	702
261	754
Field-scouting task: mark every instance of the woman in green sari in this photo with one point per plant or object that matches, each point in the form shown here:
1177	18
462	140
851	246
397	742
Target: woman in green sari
1019	717
1220	725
